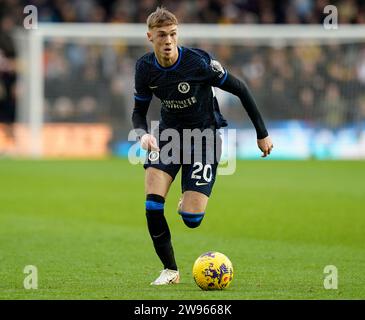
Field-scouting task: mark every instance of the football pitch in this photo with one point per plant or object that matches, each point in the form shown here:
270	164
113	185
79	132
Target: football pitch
82	225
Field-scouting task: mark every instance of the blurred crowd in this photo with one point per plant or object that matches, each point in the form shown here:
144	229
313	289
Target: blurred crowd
92	83
318	83
189	11
323	84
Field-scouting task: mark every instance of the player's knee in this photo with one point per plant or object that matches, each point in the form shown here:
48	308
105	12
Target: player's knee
192	220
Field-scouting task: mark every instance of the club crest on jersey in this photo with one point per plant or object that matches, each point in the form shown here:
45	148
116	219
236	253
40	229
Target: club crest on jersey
216	66
183	87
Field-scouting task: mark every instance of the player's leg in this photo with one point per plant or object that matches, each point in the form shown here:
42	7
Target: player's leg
157	184
197	180
157	181
192	207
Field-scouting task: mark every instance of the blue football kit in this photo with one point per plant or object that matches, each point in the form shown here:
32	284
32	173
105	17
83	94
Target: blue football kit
188	102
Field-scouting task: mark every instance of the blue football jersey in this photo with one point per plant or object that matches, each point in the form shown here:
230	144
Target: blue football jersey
185	89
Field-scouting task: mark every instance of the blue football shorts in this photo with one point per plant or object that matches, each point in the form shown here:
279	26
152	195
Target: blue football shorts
197	158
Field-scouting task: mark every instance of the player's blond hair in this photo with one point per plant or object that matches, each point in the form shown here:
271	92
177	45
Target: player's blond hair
161	17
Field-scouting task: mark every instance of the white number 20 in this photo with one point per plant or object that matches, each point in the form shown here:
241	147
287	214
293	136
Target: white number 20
207	172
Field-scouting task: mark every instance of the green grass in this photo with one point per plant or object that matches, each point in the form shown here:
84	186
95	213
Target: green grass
82	224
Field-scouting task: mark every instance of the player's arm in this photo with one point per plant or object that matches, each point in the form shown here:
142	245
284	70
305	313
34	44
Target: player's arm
217	76
139	119
142	100
239	88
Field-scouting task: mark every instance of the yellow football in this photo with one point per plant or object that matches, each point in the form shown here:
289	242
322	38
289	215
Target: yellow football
213	271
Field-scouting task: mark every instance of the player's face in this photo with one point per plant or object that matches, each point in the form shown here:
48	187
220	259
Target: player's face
164	40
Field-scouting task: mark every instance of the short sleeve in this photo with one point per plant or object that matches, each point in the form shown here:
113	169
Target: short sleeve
141	90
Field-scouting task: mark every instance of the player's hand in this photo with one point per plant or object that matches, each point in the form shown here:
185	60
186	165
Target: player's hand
148	142
265	146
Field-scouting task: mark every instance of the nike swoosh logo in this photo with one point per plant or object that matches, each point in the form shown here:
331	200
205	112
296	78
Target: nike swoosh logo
158	235
201	183
153	87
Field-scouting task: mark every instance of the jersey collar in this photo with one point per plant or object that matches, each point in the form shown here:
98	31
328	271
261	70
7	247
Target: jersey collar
174	66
